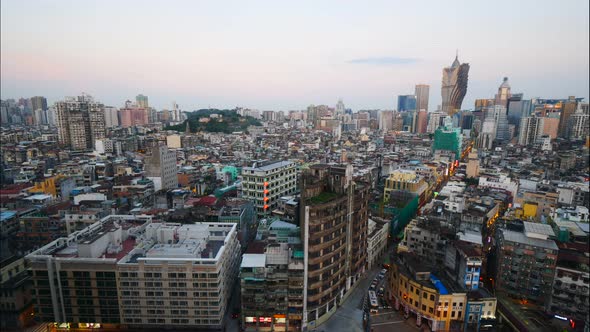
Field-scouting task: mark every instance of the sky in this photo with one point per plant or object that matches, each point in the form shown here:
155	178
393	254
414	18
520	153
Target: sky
287	55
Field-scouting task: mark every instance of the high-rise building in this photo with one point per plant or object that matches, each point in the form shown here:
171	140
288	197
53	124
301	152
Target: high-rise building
39	117
265	182
142	101
434	121
133	116
385	120
406	103
503	94
568	108
579	123
111	117
51	115
481	104
448	138
334	222
498	113
160	167
472	164
421	122
422	93
531	129
271	279
454	86
38	103
526	262
175	112
80	121
124	269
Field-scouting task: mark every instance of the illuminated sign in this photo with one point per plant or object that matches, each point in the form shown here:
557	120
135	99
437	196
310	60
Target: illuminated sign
560	317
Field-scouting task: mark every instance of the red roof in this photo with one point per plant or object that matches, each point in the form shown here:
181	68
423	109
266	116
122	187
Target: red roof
206	201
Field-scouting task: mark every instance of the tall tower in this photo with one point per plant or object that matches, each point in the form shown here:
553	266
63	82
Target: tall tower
503	93
422	93
454	86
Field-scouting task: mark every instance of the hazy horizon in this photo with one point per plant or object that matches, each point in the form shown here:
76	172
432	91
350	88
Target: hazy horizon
285	56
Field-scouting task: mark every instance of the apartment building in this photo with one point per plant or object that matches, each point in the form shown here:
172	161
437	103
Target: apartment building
80	121
424	292
179	276
265	182
127	272
75	277
272	280
334	235
571	292
526	262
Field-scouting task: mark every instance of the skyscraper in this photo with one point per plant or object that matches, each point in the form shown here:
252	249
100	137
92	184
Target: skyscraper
454	86
503	93
406	103
422	93
142	101
38	103
80	121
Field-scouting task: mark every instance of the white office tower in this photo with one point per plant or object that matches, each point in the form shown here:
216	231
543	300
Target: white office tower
531	129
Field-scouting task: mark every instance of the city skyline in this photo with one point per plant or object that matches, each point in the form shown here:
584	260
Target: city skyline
202	55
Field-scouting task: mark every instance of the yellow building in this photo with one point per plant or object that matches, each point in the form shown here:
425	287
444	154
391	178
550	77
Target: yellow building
417	291
47	186
404	180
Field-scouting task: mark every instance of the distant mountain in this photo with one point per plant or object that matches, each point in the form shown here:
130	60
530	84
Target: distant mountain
227	121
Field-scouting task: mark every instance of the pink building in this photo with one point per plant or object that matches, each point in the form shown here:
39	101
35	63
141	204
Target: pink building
550	127
133	117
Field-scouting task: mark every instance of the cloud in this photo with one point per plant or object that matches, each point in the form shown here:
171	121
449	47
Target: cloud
384	61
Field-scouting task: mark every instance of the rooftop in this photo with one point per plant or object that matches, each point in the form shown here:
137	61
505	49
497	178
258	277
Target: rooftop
518	237
253	260
268	166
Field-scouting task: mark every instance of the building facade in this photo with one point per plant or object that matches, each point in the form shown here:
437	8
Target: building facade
422	92
334	235
160	167
526	263
265	182
80	121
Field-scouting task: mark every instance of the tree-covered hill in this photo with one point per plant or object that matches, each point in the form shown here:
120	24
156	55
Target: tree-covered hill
227	122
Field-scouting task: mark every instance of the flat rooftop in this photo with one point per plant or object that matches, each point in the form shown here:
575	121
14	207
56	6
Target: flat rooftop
268	166
518	237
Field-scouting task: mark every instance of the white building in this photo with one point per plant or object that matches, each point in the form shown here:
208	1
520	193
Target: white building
531	129
160	167
378	233
181	275
501	182
280	179
111	117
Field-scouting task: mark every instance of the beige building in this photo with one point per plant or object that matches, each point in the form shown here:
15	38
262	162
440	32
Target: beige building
404	180
173	141
179	276
472	164
127	272
80	121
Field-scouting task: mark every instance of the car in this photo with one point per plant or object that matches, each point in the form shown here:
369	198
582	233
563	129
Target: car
235	314
386	266
383	271
372	287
